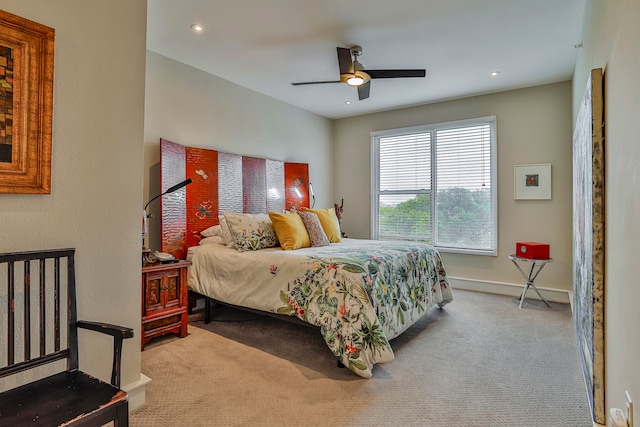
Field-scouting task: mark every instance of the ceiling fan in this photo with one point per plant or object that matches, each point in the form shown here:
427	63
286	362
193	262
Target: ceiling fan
353	73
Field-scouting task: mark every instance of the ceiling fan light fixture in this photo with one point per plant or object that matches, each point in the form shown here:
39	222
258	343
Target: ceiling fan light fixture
358	78
355	80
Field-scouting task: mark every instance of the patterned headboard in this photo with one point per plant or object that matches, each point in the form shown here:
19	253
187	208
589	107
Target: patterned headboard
222	182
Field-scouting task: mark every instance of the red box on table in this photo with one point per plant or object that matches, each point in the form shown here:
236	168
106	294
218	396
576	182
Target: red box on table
532	250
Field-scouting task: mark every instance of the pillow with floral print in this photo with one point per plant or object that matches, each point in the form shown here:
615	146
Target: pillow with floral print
317	236
251	232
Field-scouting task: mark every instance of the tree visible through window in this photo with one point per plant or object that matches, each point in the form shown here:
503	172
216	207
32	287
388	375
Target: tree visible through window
437	184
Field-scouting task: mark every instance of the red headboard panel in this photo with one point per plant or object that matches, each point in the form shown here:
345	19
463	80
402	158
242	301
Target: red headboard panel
222	182
296	183
202	193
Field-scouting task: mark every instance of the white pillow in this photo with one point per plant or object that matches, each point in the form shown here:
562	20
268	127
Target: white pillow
218	240
216	230
225	233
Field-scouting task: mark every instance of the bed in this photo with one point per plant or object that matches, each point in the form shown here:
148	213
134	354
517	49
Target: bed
360	294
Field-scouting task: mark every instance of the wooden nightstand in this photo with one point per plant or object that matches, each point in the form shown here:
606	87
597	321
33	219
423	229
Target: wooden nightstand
164	300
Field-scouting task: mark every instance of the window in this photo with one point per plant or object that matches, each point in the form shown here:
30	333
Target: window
437	183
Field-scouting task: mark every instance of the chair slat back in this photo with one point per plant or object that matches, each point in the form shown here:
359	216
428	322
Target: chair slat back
40	317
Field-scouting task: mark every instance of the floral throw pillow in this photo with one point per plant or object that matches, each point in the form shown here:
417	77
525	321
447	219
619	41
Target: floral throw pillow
251	232
317	236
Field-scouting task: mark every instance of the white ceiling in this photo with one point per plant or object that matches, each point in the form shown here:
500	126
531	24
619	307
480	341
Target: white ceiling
265	45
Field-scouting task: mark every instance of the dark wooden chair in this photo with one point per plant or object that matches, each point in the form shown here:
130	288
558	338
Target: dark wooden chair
39	293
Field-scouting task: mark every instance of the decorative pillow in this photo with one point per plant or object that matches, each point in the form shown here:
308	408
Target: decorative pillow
212	240
317	236
225	233
251	231
290	230
216	230
329	222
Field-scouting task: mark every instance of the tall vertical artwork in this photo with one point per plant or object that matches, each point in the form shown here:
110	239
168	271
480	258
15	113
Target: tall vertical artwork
588	240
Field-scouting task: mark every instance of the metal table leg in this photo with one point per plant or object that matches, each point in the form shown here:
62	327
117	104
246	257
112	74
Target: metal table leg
530	278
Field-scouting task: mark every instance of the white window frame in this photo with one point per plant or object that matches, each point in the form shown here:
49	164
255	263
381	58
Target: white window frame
432	128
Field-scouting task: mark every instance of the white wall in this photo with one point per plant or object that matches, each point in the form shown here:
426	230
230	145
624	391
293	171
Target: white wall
611	41
190	107
533	126
94	205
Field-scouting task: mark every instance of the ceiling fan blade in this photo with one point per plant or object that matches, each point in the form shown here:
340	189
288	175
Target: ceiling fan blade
344	60
363	90
315	83
394	74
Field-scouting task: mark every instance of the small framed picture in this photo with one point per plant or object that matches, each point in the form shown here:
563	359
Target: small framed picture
532	182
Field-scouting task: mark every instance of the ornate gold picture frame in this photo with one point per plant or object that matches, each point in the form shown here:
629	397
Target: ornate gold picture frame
26	105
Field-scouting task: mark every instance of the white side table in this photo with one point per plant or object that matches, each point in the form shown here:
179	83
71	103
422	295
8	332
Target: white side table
536	266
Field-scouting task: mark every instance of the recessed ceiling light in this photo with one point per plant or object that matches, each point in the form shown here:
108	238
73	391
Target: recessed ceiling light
495	73
347	102
197	28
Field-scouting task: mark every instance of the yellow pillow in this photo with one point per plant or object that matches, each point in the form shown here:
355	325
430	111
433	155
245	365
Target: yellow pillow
290	230
329	222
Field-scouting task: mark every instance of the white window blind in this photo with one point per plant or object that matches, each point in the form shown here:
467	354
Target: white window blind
436	183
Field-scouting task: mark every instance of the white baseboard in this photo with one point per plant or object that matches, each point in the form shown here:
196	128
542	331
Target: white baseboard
136	391
509	289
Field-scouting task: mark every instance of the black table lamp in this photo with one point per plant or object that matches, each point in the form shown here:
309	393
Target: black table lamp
145	215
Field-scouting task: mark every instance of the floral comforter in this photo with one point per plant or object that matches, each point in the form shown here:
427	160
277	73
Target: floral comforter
361	293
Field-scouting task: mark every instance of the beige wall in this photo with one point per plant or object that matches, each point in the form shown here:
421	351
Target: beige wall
191	107
533	126
94	205
611	41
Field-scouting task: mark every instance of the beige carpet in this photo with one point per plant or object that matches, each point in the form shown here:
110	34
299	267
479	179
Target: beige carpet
480	361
